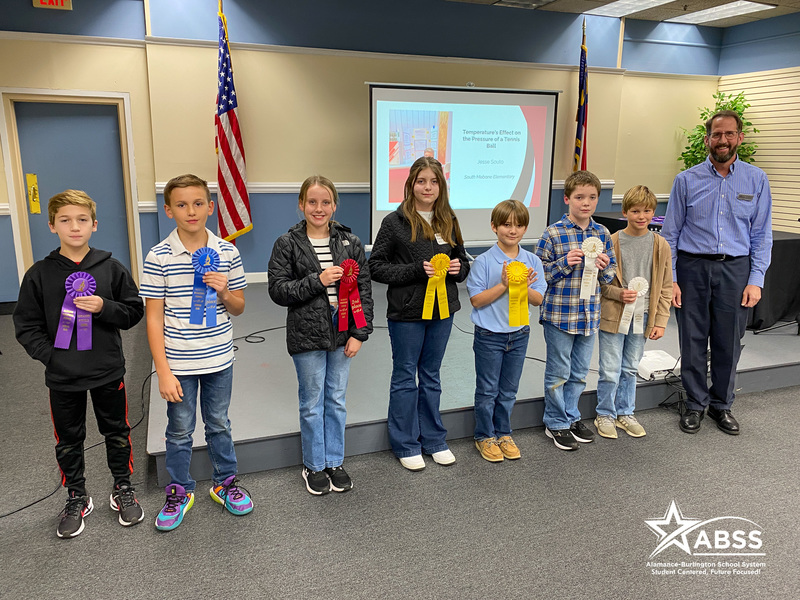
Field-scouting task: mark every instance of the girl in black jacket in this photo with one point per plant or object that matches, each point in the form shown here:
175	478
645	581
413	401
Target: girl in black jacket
424	226
318	270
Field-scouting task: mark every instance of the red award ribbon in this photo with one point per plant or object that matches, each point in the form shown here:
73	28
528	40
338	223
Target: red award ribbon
348	294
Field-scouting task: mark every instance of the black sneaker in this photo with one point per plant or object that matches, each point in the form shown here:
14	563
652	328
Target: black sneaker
562	438
581	432
125	503
317	482
75	510
340	480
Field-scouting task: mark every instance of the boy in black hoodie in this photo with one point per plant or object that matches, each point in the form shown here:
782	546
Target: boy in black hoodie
102	299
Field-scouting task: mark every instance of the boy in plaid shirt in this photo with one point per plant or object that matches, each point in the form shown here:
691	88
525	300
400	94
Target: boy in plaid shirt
569	323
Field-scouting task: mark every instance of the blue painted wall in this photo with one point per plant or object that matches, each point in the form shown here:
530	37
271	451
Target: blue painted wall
103	18
671	48
9	289
425	27
761	45
150	232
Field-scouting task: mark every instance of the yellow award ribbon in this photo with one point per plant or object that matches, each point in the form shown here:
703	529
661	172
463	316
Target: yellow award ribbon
436	287
517	294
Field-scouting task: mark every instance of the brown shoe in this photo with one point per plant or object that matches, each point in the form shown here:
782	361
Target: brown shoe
489	449
508	447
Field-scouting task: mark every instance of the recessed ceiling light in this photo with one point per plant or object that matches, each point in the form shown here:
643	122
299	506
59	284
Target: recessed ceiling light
734	9
622	8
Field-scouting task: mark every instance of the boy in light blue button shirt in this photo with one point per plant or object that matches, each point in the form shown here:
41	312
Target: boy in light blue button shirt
500	347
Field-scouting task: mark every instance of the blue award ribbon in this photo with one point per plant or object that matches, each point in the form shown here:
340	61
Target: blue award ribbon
204	297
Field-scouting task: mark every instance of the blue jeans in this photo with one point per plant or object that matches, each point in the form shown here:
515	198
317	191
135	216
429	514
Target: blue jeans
415	425
568	358
322	383
215	398
619	360
499	358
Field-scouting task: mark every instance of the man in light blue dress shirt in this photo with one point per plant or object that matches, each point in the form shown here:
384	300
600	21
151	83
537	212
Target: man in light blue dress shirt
719	227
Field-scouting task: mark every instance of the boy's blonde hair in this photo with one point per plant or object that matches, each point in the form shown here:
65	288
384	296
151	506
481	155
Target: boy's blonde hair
70	198
580	178
513	210
639	195
184	181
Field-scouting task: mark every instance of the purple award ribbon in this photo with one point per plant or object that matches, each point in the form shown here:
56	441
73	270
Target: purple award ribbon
78	284
204	297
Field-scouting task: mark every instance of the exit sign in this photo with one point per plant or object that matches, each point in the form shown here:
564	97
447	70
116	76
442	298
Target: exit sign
56	4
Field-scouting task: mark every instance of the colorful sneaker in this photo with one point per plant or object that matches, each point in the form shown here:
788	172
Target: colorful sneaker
562	438
179	501
340	480
231	495
605	426
508	447
489	449
76	508
317	482
581	432
124	502
630	425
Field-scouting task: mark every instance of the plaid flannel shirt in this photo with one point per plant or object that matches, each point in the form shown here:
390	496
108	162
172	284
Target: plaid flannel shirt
562	306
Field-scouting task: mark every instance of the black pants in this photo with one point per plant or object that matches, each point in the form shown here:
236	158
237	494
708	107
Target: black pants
712	316
68	410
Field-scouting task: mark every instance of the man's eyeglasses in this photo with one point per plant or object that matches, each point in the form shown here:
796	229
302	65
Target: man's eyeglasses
729	135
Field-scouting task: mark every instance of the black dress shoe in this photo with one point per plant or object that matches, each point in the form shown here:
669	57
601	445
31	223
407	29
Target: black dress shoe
725	420
690	421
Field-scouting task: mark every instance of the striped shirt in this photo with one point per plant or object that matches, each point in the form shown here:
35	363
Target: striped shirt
169	276
562	306
322	248
711	214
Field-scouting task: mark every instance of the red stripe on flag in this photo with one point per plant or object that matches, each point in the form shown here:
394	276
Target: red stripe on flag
225	165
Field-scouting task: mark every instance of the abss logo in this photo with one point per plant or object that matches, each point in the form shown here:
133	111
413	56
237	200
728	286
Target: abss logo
720	536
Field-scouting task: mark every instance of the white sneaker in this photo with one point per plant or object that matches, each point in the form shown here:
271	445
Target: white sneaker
445	457
413	463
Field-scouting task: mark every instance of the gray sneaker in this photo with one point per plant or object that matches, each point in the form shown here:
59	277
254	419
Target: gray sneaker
630	425
605	426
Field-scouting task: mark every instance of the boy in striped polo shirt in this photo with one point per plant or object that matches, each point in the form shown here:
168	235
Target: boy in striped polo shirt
570	324
189	357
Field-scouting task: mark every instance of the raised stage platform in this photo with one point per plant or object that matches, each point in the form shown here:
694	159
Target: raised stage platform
264	411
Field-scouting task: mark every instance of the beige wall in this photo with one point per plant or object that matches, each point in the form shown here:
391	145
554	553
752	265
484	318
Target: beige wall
304	112
652	112
70	66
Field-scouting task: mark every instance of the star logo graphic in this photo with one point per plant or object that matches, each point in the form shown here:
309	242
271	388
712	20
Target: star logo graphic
672	529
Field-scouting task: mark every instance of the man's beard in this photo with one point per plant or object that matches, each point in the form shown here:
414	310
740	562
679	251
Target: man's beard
723	158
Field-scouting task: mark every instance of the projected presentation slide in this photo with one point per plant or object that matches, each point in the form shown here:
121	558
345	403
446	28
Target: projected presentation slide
493	145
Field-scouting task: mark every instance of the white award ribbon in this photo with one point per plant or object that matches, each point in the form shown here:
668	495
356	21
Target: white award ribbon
634	310
592	247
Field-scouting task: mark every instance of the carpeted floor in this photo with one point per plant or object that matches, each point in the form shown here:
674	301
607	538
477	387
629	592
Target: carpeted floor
551	525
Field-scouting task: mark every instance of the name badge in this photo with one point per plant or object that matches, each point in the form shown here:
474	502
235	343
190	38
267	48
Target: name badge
745	197
440	239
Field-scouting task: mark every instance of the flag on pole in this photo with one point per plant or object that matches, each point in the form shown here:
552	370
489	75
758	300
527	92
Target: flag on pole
233	208
583	107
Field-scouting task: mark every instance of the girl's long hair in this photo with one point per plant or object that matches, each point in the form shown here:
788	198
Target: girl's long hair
444	220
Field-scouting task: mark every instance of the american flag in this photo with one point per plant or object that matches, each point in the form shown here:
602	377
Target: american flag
233	201
583	108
